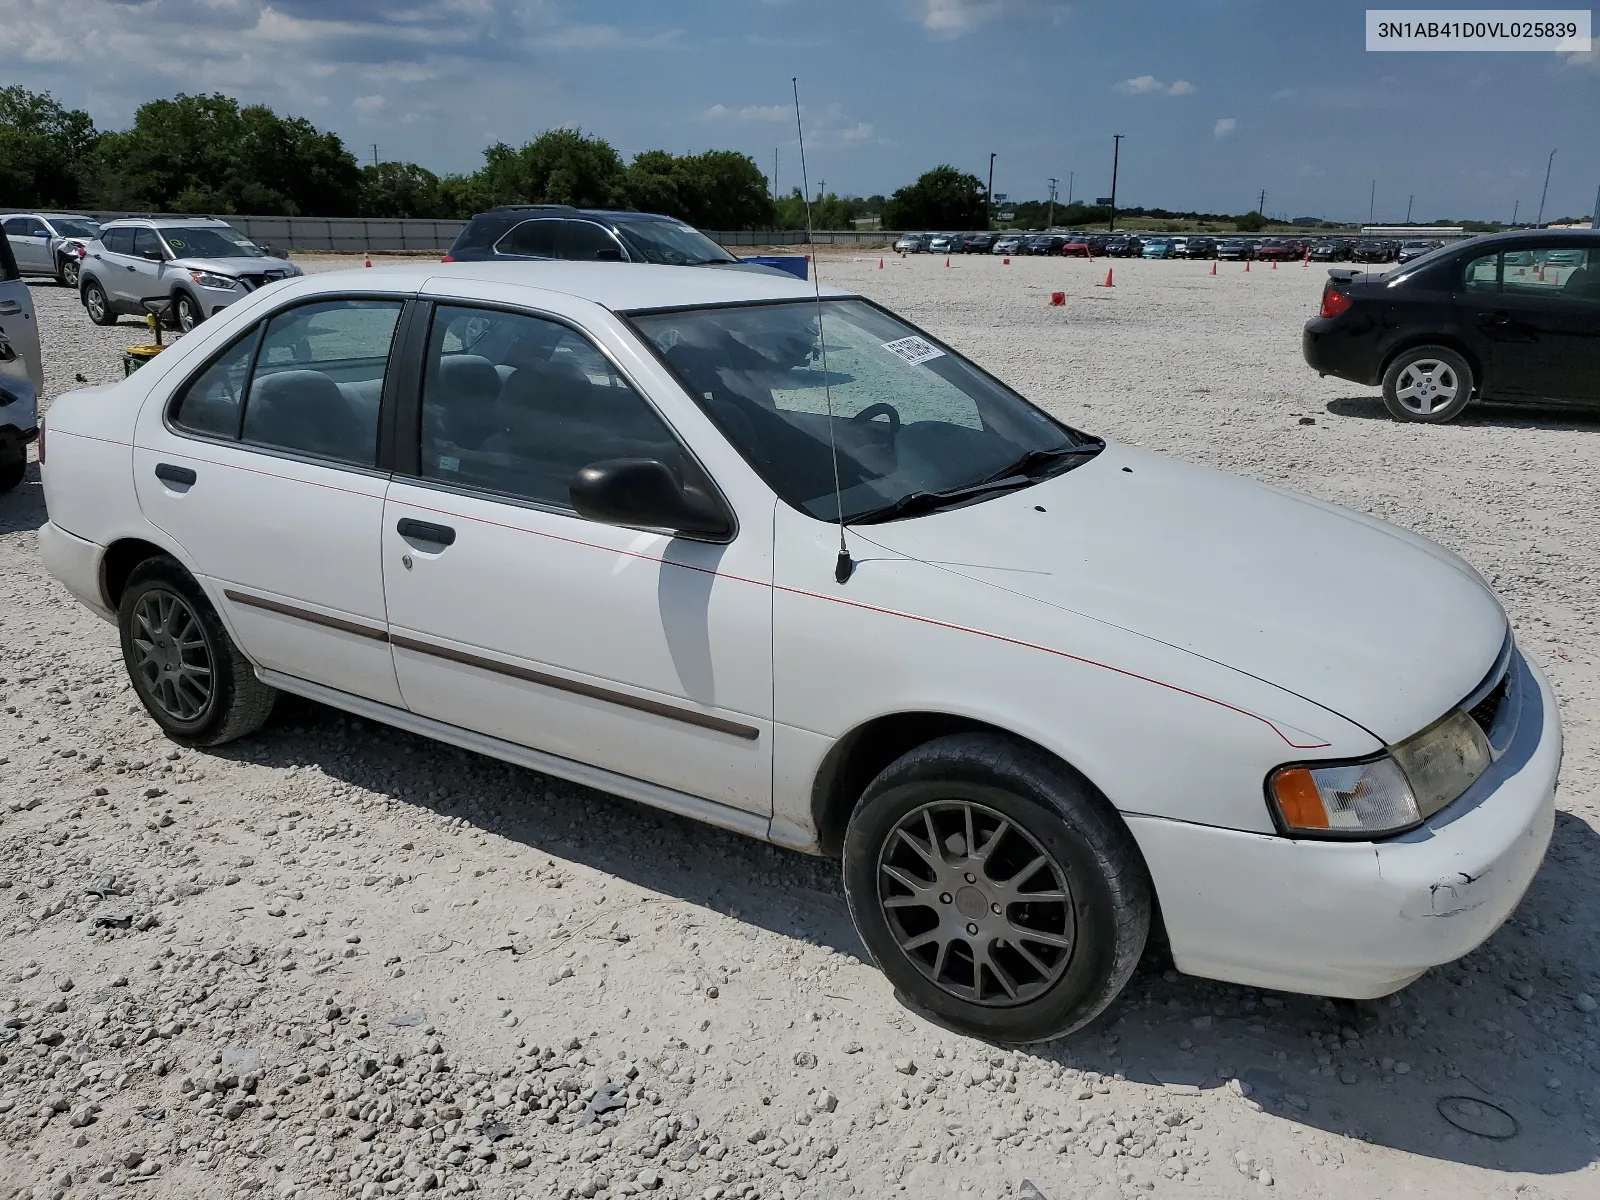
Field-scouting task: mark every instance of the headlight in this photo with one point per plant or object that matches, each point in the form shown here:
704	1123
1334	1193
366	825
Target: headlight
1387	794
210	280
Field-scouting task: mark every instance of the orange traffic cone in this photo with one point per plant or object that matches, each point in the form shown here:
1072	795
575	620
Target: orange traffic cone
1213	268
1247	264
1108	282
1274	264
947	260
1306	261
369	259
880	263
1057	299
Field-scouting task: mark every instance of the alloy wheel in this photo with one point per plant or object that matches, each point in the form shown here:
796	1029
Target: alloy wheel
95	300
976	903
187	317
1426	385
171	656
69	274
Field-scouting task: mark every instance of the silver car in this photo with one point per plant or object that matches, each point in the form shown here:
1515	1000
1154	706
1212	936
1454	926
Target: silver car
21	371
198	265
50	243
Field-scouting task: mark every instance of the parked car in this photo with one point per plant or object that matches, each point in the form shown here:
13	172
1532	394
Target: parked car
1275	250
1373	250
1200	247
538	231
1124	246
1158	248
1076	246
1410	250
1331	250
50	243
1008	243
977	243
1489	317
1038	243
21	371
1180	247
911	243
198	264
1067	690
945	243
1236	249
1097	244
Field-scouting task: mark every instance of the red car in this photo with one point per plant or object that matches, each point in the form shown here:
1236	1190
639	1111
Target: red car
1281	251
1076	247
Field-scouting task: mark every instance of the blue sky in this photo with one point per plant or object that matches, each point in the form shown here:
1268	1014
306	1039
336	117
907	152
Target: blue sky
1218	99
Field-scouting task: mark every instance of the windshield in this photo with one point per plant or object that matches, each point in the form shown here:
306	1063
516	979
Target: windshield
210	242
671	244
910	417
75	227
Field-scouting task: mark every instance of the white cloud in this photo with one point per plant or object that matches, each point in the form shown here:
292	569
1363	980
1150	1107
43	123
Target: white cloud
857	133
750	112
1224	128
368	104
1147	85
953	18
1589	59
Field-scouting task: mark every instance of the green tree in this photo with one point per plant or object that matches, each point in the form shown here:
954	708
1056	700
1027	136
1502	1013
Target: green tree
206	154
943	198
560	166
1251	222
44	150
719	189
463	196
395	189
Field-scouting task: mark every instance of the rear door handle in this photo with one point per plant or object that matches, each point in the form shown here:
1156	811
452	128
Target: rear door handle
171	473
1499	317
424	531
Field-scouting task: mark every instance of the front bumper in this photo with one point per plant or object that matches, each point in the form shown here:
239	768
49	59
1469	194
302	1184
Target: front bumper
1362	919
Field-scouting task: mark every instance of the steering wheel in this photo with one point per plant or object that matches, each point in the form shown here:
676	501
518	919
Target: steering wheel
881	409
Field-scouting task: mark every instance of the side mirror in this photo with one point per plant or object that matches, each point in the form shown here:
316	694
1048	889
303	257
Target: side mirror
643	491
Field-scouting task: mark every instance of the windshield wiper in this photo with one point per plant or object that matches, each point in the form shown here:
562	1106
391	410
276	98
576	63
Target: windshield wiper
913	503
1034	459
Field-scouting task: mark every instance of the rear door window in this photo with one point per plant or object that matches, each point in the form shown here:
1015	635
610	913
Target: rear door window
212	402
118	241
1558	272
147	245
1482	274
585	241
534	239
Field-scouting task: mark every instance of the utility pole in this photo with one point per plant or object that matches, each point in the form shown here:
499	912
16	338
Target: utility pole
1594	217
1409	200
1116	154
774	174
1051	220
988	197
1514	208
1261	204
374	153
1372	201
1539	220
1069	188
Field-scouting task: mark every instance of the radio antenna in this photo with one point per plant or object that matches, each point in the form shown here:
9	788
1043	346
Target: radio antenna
844	566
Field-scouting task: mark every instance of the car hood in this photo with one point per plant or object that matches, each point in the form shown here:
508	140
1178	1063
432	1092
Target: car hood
236	266
1368	620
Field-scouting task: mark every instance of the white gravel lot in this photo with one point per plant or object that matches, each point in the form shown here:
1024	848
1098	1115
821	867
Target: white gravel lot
337	960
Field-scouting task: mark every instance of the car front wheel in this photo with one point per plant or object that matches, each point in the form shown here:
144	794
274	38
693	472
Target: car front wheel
98	307
187	312
1427	383
184	667
997	890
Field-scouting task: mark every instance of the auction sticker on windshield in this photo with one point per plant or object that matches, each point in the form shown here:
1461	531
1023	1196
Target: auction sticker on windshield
914	350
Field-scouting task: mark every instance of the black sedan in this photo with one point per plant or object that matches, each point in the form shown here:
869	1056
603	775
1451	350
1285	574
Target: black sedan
1236	249
1514	316
1374	250
1331	250
1200	247
1123	246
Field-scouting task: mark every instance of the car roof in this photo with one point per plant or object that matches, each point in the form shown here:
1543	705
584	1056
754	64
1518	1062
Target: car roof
166	222
620	287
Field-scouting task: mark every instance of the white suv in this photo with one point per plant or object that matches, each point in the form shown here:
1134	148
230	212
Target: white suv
1050	692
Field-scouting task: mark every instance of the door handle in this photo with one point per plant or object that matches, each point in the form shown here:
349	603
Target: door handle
1498	317
171	473
424	531
10	308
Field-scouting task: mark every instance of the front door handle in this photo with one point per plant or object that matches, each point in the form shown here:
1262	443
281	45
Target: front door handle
171	473
9	308
1498	317
425	531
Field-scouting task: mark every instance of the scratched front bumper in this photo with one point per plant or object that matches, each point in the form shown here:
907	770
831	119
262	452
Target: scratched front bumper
1363	919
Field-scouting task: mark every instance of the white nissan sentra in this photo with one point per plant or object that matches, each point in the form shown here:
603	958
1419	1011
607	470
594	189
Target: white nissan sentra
1056	695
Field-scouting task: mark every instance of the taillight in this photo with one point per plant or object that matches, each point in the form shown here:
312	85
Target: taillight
1334	301
447	257
41	441
81	251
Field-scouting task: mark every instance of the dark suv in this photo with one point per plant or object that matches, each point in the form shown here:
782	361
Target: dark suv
521	231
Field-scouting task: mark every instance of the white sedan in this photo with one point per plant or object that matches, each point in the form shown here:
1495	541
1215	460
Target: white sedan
1053	694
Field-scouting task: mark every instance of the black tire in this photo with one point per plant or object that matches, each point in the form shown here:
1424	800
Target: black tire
13	473
95	301
1431	384
1050	810
67	273
234	704
186	312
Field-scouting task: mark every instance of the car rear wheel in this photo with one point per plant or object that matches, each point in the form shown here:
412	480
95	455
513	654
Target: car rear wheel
995	888
1427	383
67	276
98	307
184	667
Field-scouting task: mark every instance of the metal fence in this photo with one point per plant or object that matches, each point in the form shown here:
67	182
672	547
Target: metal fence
357	235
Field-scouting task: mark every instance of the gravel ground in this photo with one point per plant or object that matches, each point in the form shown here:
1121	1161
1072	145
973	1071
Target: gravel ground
337	960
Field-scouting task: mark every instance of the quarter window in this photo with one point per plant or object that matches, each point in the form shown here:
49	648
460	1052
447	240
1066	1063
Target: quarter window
518	405
318	381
